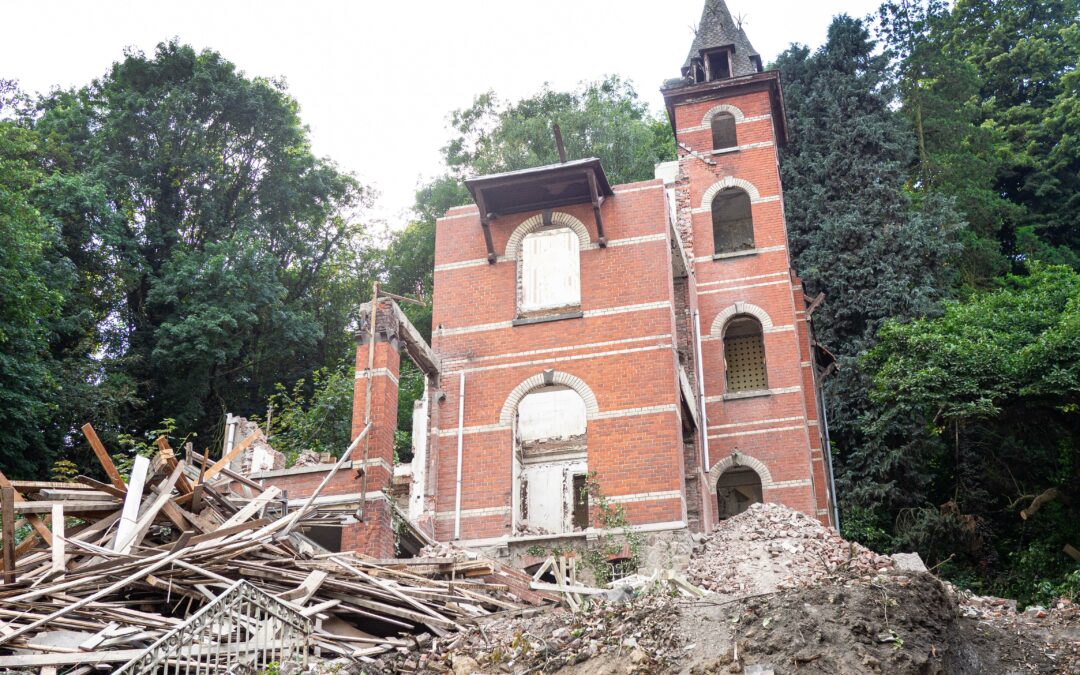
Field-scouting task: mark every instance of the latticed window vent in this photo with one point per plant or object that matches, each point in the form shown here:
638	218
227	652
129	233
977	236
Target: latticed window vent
744	353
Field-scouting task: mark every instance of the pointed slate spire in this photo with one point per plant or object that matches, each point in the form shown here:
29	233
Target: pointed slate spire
718	30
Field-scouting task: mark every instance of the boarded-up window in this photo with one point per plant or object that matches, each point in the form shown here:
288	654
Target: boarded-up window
744	355
733	226
723	131
550	270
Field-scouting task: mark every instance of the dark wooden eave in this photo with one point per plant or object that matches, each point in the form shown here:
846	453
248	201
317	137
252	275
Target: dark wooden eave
770	80
580	181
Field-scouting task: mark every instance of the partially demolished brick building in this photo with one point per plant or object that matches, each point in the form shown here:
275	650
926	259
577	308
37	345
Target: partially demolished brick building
651	338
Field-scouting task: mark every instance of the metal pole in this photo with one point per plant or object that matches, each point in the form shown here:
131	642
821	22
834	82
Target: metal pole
460	440
701	391
367	399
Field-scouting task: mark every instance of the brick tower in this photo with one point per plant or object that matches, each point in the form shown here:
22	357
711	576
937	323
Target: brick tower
761	399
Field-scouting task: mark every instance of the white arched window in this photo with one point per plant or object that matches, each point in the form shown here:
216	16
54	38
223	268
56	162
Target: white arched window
550	270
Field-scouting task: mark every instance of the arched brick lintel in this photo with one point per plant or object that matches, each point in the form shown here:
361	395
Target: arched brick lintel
731	311
740	459
729	182
592	408
534	223
722	108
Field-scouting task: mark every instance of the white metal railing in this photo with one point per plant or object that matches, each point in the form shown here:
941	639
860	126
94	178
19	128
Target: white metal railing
243	630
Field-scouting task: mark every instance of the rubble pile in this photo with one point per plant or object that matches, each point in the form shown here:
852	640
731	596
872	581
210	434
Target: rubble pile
769	547
172	566
638	633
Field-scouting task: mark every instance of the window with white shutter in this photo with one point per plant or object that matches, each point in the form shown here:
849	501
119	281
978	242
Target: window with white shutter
550	270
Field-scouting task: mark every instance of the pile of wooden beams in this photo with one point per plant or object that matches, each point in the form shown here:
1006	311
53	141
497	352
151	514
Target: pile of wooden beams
101	571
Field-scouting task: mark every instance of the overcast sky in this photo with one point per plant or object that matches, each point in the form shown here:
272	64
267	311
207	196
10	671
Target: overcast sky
377	80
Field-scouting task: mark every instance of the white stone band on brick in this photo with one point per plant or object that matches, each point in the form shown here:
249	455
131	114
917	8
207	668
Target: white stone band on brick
376	372
645	497
775	420
756	432
457	364
778	390
743	287
736	280
590	246
475	513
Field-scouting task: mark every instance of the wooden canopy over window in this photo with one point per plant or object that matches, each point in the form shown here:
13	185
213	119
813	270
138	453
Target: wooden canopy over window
579	181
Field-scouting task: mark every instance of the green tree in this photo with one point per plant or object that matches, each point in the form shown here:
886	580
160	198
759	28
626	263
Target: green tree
212	254
992	388
27	300
1026	55
957	156
855	233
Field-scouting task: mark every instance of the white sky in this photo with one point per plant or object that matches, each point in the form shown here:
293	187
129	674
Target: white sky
376	81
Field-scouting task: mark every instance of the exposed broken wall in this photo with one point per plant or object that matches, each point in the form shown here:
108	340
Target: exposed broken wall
257	457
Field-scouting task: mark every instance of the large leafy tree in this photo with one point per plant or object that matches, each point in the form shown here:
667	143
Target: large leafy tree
28	302
212	252
856	234
992	391
1026	55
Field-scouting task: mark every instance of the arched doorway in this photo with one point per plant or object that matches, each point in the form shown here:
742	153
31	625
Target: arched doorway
550	461
736	489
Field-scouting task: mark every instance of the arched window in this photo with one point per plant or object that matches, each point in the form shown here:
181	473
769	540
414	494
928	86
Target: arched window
733	226
550	462
723	131
744	355
550	270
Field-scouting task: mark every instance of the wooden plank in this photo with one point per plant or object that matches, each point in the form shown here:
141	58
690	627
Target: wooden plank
103	457
224	461
32	485
103	487
71	507
196	457
58	558
135	536
307	588
132	502
7	530
38	524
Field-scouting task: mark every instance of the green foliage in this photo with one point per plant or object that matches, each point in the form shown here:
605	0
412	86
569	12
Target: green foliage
617	538
992	388
187	249
28	301
314	416
63	470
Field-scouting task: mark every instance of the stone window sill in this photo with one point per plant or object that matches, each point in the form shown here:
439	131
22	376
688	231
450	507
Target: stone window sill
527	538
561	316
735	254
725	151
754	393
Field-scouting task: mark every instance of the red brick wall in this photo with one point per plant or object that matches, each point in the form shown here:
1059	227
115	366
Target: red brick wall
622	349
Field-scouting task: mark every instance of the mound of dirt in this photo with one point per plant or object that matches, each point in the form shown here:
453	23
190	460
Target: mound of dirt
893	623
